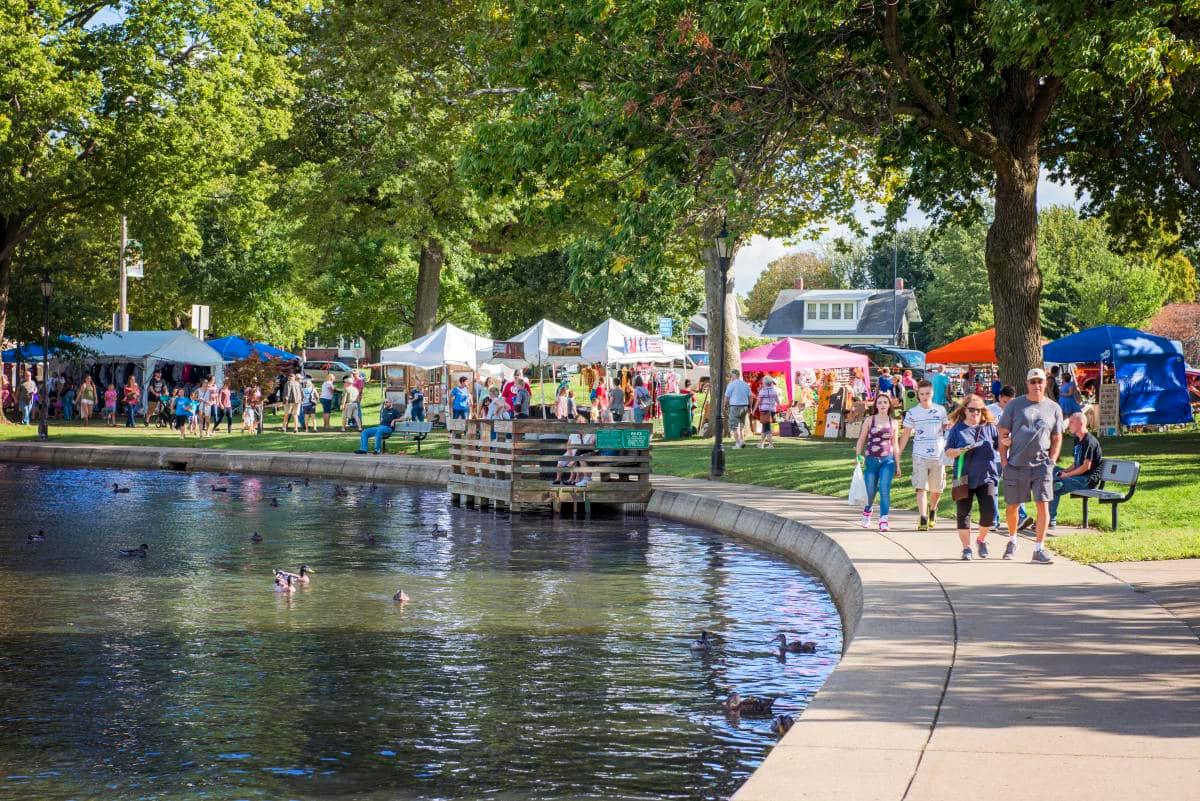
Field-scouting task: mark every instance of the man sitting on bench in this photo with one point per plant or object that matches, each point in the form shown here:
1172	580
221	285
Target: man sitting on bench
387	419
1085	472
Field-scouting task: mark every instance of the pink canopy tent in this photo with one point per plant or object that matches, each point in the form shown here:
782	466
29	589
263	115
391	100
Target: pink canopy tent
789	355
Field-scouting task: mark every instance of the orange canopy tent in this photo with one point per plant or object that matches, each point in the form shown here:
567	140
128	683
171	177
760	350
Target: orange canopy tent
977	348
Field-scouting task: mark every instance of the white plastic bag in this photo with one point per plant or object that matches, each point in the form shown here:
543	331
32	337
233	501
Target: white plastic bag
858	488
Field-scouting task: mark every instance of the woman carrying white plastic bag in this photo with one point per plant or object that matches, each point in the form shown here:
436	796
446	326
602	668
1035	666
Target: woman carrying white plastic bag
858	486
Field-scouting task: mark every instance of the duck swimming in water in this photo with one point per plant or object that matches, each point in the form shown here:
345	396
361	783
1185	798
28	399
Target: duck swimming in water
701	643
781	724
750	706
401	597
39	537
794	647
439	532
256	537
299	578
275	502
284	582
118	488
215	488
138	552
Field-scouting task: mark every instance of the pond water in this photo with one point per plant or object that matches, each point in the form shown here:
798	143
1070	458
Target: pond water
537	659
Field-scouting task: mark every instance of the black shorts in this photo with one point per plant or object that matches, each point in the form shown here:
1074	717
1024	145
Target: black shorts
181	421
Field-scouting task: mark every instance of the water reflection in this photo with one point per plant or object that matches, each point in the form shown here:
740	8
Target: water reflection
546	659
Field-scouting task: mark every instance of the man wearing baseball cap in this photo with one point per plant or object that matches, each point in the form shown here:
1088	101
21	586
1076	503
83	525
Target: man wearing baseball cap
1030	440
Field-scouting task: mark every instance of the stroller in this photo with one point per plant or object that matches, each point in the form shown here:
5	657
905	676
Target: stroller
166	413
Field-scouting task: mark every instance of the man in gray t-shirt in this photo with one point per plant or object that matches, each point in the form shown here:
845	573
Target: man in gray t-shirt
1030	440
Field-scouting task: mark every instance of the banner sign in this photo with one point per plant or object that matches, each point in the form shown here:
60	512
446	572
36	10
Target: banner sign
508	350
134	266
1110	410
564	348
666	326
643	344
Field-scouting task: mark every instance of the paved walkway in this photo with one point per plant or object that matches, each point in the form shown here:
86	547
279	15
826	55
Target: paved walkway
1174	584
986	679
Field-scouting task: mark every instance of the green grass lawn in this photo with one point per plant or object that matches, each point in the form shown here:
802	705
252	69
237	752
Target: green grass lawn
1156	524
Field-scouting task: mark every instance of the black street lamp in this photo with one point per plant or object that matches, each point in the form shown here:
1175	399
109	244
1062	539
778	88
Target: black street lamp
723	249
47	291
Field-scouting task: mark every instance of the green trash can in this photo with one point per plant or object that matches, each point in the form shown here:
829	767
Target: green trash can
676	416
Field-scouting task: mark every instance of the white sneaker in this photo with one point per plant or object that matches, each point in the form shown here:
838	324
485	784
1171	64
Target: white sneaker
583	482
866	521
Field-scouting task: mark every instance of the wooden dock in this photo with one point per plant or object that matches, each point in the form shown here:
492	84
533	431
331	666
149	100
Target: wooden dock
513	464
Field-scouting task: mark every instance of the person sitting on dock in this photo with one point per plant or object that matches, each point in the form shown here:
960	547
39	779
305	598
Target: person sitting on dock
387	418
577	445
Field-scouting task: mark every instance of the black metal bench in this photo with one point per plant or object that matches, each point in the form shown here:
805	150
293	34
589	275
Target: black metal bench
411	430
1114	471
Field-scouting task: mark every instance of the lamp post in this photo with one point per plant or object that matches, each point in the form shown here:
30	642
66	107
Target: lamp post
47	291
723	249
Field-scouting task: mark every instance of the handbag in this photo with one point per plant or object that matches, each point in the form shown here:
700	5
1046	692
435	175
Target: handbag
960	490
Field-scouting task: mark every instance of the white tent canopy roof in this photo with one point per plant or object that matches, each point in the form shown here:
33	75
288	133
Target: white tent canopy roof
536	348
605	344
163	346
446	345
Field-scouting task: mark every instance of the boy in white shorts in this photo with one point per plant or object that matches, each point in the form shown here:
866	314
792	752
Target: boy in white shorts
926	424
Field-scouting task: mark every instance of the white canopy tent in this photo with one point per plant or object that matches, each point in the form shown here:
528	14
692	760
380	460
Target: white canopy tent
534	338
446	345
147	349
606	344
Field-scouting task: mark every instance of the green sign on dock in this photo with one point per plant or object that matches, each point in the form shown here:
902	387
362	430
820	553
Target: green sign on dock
622	439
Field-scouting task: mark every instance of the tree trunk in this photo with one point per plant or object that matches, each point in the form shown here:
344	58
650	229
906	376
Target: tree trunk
9	239
712	306
429	282
1013	275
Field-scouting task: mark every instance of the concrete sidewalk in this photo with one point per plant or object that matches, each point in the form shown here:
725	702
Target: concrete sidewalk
985	679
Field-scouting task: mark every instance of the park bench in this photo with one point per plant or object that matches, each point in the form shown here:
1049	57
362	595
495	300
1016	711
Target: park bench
1112	471
411	430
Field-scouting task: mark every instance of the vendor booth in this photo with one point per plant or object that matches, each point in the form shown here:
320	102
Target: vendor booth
235	348
789	356
613	342
442	349
977	348
147	351
1149	371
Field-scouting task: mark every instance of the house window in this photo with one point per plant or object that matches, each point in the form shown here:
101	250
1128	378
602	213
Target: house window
823	313
837	311
812	310
849	311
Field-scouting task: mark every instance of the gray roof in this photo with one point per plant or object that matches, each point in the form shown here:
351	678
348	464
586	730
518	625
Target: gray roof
698	324
877	319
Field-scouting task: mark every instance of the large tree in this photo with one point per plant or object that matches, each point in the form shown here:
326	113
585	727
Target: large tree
957	97
132	106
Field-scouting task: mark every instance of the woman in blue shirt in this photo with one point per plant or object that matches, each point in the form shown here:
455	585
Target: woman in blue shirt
975	439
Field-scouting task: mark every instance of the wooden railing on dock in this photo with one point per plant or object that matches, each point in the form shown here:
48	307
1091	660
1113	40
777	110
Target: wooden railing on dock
517	462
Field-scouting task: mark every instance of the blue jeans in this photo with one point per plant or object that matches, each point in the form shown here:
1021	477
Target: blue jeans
639	414
27	409
458	414
418	414
130	411
378	432
880	471
1065	486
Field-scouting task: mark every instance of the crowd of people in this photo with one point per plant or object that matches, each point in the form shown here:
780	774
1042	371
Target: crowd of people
1007	449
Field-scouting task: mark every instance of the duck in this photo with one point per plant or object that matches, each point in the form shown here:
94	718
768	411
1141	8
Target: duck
781	724
439	532
401	597
284	582
751	706
369	539
215	488
117	488
256	537
306	482
275	502
794	647
298	578
340	491
139	551
39	537
701	643
374	487
222	475
285	487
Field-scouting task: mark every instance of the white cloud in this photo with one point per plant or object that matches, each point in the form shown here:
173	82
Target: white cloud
754	257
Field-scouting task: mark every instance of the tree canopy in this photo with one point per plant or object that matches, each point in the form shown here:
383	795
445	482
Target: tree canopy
784	273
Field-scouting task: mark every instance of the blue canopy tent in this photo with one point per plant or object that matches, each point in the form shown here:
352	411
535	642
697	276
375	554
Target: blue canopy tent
1149	371
234	348
31	353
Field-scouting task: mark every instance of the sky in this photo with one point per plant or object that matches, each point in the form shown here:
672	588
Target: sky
753	258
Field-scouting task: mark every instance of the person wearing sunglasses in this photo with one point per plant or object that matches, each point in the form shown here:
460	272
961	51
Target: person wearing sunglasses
1031	434
973	438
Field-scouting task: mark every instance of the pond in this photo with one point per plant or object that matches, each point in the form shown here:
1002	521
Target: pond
536	659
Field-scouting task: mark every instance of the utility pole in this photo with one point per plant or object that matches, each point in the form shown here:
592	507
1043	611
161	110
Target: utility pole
122	321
